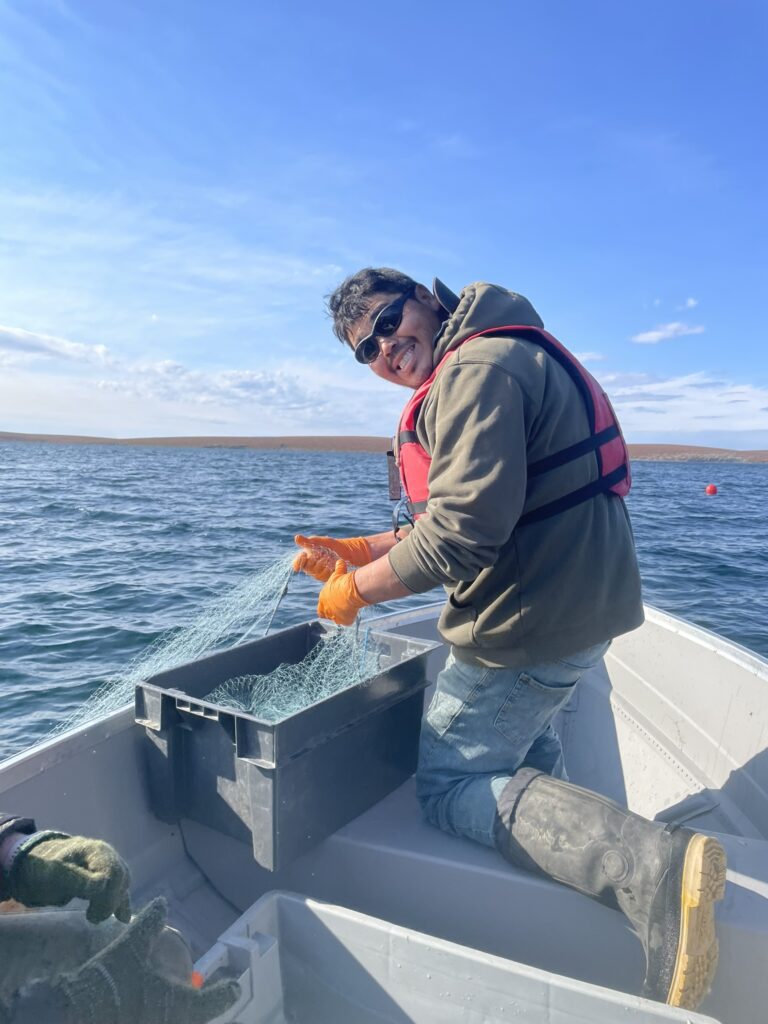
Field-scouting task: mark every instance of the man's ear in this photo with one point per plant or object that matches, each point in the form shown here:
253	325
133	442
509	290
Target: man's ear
426	298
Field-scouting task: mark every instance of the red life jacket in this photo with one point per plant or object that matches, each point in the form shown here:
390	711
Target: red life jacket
605	438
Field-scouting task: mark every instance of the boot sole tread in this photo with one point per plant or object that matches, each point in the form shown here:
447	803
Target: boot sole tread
703	884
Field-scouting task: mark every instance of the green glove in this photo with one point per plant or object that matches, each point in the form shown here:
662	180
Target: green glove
121	985
51	869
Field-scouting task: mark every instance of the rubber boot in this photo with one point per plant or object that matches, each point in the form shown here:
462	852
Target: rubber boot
665	879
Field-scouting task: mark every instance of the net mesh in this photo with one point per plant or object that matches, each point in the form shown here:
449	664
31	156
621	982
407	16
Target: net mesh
340	660
343	658
245	611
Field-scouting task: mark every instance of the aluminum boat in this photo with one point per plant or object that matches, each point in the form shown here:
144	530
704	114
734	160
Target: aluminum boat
674	724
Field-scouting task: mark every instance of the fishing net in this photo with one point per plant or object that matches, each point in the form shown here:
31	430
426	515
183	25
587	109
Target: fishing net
243	612
343	659
340	660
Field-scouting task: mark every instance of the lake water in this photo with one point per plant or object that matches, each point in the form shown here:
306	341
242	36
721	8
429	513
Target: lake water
105	547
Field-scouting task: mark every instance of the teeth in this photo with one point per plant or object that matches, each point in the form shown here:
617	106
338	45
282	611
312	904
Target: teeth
404	362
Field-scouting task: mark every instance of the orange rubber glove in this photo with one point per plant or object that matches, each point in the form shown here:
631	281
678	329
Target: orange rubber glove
319	554
340	599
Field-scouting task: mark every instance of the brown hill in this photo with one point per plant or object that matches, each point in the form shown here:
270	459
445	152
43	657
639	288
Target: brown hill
363	443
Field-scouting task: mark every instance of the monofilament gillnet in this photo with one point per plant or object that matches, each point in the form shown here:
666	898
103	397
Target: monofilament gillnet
244	611
341	659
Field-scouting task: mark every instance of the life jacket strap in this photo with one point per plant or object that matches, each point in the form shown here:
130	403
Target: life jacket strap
417	508
568	501
572	452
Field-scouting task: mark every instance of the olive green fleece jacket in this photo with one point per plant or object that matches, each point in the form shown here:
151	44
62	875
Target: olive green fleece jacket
516	595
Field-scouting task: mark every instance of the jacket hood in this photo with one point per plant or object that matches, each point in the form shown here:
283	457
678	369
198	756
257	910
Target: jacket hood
479	307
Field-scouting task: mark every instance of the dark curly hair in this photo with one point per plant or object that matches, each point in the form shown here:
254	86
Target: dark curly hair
351	299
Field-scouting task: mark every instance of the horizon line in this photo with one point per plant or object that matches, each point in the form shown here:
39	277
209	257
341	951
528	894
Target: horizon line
359	443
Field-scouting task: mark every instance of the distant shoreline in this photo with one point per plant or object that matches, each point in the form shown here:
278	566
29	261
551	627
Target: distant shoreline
362	443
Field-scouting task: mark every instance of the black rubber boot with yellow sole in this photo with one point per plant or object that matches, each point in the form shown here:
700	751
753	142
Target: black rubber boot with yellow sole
665	879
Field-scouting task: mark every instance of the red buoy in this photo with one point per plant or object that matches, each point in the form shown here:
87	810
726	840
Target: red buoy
710	489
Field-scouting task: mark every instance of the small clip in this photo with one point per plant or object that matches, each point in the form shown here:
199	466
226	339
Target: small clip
401	510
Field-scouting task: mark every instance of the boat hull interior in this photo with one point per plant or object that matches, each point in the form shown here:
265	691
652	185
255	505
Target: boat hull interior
674	724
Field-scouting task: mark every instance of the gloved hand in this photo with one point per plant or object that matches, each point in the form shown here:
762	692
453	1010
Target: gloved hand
339	599
120	986
51	869
319	554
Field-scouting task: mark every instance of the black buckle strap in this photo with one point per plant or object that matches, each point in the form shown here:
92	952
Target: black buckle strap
574	451
591	490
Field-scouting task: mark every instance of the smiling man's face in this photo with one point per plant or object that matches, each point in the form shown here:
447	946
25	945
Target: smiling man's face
405	357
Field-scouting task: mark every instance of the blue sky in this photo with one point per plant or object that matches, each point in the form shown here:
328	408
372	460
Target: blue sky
182	182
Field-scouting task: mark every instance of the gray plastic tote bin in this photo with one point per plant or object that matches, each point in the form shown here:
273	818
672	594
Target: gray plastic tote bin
304	962
285	785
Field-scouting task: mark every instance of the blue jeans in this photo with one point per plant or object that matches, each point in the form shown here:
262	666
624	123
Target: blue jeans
482	726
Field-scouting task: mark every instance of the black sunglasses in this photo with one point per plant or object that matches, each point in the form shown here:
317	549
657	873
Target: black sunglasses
386	323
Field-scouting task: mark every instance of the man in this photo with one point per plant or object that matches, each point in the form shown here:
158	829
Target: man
514	467
54	972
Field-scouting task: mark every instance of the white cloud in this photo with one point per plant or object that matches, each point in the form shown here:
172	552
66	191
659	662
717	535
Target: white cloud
589	357
691	303
31	343
188	404
679	405
663	332
166	397
273	394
